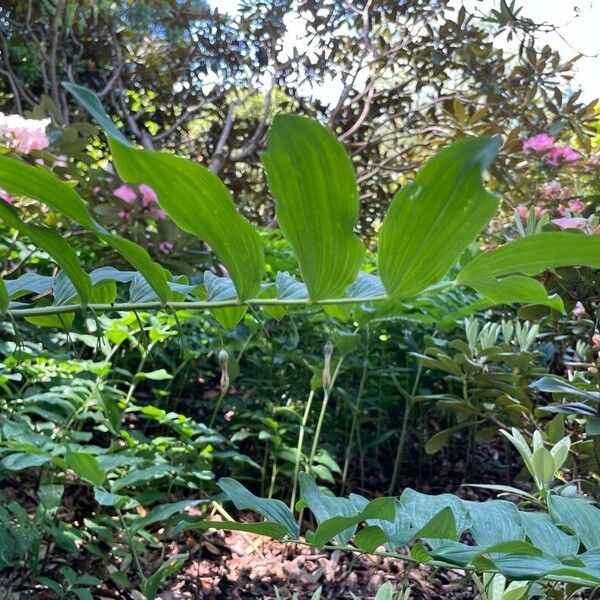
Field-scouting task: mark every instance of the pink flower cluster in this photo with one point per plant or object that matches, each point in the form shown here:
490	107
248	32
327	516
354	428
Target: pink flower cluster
148	198
23	135
542	143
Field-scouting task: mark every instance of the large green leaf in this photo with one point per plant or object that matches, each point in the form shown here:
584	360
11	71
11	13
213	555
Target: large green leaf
22	179
380	508
313	182
516	289
432	220
57	247
326	507
274	511
579	516
86	466
194	197
532	255
267	528
198	201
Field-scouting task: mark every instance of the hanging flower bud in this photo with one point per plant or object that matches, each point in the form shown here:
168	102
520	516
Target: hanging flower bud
326	378
223	360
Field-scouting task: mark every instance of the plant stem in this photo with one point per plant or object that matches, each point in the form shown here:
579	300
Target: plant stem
408	404
307	408
134	554
326	395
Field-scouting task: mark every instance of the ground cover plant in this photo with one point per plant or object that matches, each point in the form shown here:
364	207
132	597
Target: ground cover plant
390	397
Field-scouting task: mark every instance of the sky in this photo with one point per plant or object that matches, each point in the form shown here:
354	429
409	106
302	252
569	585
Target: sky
577	22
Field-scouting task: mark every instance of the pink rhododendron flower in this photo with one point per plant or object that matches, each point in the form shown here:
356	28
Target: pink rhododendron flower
552	190
523	211
165	247
573	223
125	215
542	142
148	195
23	135
579	310
6	197
576	206
158	213
596	339
126	193
561	154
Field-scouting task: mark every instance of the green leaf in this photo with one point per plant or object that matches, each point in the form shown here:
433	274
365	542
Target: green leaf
198	201
437	441
137	476
440	526
579	516
164	512
326	507
516	289
548	537
86	467
533	254
494	521
92	104
312	179
23	460
56	246
380	508
21	179
219	289
553	385
432	220
267	528
168	568
543	467
370	538
273	510
4	297
29	283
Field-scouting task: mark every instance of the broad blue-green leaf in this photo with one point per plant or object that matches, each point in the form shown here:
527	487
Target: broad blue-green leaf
366	285
397	531
219	289
274	511
29	283
545	535
57	247
312	179
532	255
289	288
326	507
86	467
579	516
494	521
558	386
432	220
21	179
23	460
